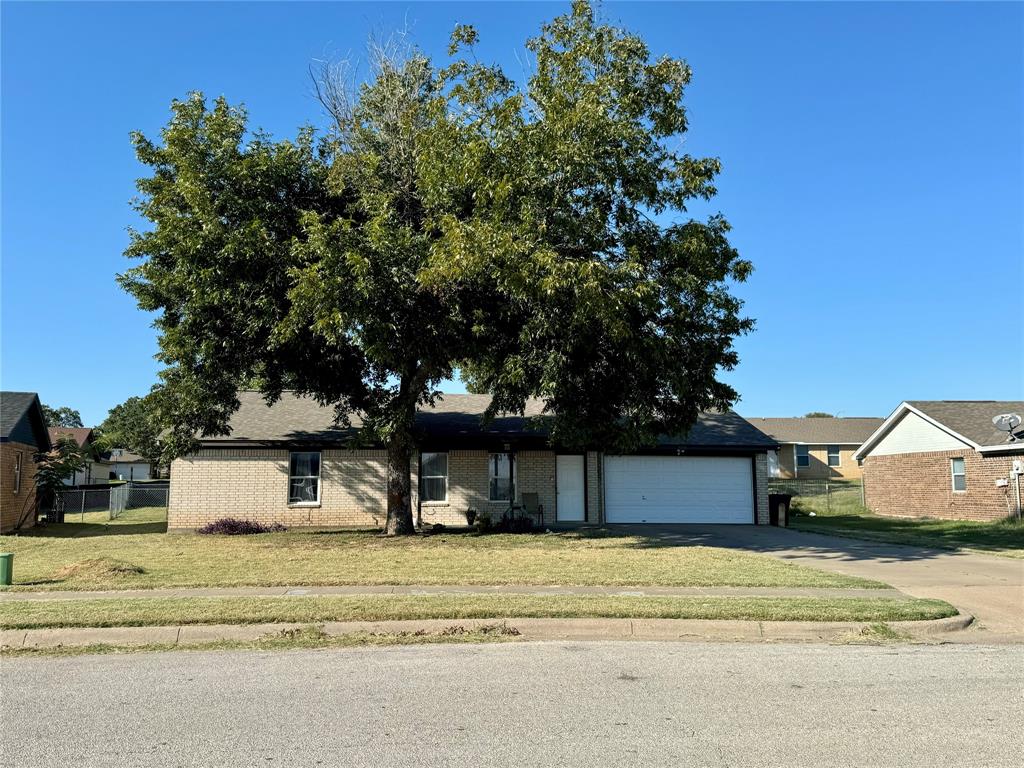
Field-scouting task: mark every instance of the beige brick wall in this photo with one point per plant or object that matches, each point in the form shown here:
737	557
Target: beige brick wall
761	488
253	484
920	485
13	505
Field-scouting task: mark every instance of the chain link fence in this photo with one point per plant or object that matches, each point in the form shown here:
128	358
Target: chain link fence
114	499
821	496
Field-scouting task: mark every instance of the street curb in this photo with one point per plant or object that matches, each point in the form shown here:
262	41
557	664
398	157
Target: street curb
679	630
956	623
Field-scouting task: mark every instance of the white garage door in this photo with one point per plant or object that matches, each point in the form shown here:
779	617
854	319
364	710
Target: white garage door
678	489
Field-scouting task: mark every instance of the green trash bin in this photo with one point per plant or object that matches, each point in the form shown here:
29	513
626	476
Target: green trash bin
6	568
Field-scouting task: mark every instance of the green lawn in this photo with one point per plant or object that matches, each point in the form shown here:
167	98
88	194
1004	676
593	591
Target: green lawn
134	553
849	518
113	612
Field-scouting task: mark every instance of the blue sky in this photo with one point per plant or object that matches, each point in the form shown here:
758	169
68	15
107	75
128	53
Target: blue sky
873	172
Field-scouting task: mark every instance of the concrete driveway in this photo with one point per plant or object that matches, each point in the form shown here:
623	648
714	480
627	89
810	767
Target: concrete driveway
988	587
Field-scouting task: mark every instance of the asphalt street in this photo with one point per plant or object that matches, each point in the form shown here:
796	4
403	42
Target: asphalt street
539	704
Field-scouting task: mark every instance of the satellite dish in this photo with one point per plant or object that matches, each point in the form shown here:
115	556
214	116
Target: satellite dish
1007	422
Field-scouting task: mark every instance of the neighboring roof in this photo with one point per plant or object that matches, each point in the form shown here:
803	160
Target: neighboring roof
815	430
125	457
453	417
22	421
968	420
81	435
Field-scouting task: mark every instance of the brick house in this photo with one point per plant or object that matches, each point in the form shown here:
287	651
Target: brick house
816	447
22	435
289	463
946	459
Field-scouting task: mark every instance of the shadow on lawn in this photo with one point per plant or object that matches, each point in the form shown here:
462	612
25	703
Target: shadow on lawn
778	541
999	536
86	530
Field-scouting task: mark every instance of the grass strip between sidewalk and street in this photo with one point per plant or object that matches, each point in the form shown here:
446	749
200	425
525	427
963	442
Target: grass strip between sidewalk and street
113	612
302	638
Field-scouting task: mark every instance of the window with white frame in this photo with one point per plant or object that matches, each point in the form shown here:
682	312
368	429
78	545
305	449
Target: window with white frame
803	456
958	470
433	476
304	478
834	459
19	458
500	477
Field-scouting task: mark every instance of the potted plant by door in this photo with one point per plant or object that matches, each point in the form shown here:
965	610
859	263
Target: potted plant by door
470	516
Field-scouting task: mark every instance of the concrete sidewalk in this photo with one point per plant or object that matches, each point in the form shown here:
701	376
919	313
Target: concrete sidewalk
525	629
424	590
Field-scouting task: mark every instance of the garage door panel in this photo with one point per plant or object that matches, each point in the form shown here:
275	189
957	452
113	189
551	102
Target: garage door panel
678	489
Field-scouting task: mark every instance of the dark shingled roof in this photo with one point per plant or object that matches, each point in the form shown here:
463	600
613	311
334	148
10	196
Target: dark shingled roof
972	418
814	430
453	417
21	419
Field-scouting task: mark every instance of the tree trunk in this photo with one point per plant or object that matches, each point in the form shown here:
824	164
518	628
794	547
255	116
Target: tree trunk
399	522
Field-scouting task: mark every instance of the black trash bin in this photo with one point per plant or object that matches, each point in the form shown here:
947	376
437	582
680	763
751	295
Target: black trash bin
778	508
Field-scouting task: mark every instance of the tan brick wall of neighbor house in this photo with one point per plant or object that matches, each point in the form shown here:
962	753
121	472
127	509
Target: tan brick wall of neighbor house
819	469
761	488
921	485
786	468
13	505
253	484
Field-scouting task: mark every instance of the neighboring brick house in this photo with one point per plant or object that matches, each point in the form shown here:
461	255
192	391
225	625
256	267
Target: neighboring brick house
22	435
288	463
946	459
815	447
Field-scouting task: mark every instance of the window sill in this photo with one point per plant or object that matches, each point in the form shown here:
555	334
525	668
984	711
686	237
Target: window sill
303	504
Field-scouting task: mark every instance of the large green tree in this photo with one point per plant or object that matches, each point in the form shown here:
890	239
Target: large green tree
135	425
62	416
531	235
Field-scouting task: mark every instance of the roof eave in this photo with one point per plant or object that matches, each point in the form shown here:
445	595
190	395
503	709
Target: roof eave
901	410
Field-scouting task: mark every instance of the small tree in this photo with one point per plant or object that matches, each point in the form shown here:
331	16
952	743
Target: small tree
526	236
818	415
62	417
53	467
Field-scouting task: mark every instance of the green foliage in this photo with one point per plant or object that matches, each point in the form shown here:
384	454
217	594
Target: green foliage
59	463
818	415
530	236
134	424
62	417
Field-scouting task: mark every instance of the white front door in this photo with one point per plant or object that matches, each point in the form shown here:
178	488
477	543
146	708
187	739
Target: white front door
569	483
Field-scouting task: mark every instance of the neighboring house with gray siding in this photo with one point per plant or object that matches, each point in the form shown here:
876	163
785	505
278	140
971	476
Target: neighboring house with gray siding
289	463
813	447
945	459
